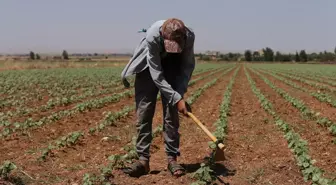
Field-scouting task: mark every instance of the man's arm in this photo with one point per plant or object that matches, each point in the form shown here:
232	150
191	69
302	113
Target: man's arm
188	66
155	69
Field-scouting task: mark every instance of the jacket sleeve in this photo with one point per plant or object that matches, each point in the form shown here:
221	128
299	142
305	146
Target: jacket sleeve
155	69
188	66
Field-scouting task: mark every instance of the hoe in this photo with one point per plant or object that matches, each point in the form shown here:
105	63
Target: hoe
219	153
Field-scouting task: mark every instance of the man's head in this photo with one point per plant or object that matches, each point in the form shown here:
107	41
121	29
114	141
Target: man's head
174	34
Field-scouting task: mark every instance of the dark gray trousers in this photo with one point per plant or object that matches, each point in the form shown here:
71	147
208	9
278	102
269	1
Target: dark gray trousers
145	96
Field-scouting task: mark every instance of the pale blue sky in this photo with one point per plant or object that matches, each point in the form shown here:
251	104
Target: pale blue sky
111	25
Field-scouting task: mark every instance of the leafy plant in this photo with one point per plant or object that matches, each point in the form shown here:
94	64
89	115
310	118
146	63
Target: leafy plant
6	168
88	179
297	145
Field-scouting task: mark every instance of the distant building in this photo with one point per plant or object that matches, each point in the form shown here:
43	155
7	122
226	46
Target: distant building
212	54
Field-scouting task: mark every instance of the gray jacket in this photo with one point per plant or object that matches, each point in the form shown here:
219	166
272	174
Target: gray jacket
149	53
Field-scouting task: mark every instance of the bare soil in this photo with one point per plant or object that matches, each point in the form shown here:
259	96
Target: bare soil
319	140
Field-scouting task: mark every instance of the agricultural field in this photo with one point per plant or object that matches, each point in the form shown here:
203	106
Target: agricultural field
77	126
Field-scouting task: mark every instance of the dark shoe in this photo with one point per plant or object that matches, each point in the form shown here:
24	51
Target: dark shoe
137	169
176	169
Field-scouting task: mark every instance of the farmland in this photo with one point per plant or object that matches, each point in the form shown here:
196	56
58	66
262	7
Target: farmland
77	125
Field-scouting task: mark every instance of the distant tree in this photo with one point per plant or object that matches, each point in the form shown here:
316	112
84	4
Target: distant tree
95	54
65	55
286	58
32	55
297	57
204	57
335	50
230	55
278	56
248	55
327	56
223	57
313	56
268	54
38	57
303	56
256	56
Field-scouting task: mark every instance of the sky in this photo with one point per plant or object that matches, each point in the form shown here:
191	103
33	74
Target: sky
107	26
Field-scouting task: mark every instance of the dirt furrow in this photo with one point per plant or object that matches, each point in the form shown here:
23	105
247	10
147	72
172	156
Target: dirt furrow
326	90
39	114
91	151
306	76
194	142
250	143
319	139
314	104
52	131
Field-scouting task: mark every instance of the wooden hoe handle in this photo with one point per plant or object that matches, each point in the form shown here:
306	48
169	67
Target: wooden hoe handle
214	139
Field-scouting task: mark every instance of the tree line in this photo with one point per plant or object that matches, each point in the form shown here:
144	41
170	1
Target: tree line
269	55
36	56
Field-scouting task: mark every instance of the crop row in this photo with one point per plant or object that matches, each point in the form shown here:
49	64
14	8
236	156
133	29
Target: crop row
322	97
10	128
34	84
117	161
63	101
56	81
300	105
312	74
309	76
311	83
69	95
110	119
205	174
325	71
297	145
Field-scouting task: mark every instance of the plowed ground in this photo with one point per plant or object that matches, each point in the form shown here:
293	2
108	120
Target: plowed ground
255	148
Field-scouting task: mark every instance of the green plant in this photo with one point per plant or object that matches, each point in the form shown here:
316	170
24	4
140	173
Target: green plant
6	168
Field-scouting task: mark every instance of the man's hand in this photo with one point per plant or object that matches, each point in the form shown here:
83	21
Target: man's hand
126	83
183	107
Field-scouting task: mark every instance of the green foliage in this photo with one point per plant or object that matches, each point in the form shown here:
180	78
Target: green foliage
297	57
268	54
248	55
32	55
299	104
65	55
204	174
6	168
280	57
199	91
303	56
64	141
88	179
38	57
69	140
256	56
230	56
297	145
